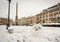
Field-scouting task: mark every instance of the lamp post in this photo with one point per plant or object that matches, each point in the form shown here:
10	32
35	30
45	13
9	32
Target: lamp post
8	22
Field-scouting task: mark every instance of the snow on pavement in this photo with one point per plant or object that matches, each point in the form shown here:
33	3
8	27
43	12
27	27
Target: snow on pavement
46	35
29	34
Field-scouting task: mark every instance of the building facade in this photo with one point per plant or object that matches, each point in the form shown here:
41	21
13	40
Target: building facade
4	21
31	20
34	19
49	15
28	21
22	21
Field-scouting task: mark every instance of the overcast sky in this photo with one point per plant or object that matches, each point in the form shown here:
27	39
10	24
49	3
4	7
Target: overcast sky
25	7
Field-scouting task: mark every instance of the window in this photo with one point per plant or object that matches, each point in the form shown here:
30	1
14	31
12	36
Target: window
58	18
43	15
59	12
51	15
37	18
50	19
58	8
55	13
40	16
46	19
51	11
46	15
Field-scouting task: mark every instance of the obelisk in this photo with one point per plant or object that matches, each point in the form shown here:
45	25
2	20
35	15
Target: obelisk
16	14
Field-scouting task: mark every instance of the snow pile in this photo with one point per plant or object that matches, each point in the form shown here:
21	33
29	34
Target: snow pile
44	34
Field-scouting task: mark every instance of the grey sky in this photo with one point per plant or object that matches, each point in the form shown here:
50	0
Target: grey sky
25	7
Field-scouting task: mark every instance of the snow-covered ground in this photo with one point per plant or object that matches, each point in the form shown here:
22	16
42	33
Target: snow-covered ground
35	33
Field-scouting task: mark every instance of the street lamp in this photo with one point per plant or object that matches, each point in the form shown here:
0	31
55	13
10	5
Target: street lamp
8	22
